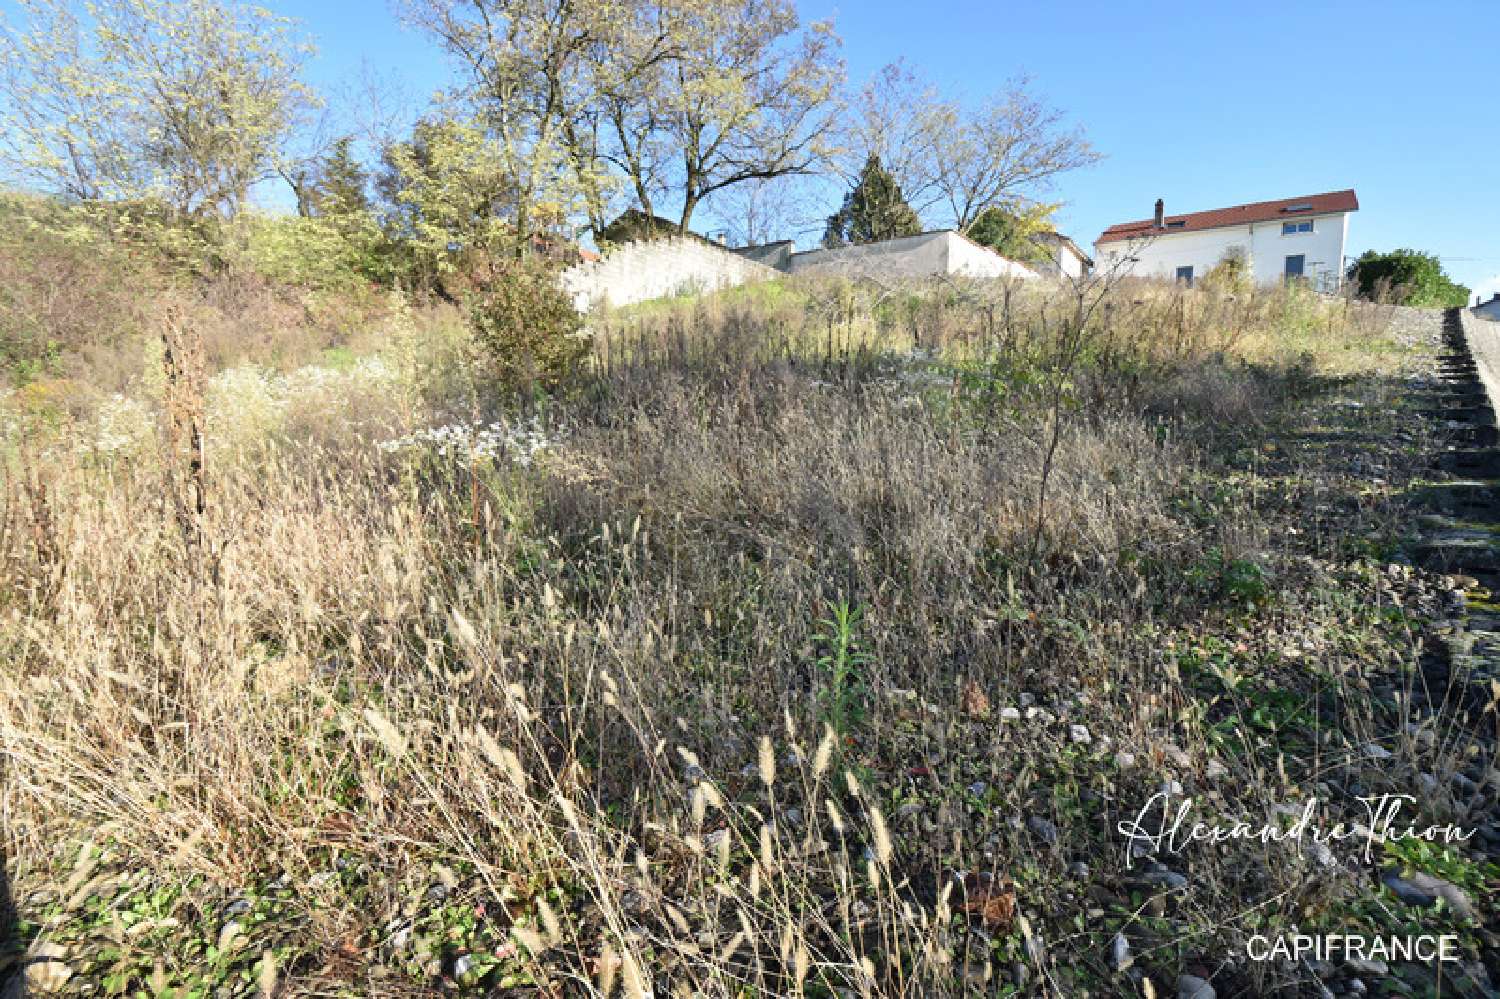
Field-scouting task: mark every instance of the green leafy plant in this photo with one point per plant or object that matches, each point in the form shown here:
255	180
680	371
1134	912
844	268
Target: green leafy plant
1406	277
528	325
842	666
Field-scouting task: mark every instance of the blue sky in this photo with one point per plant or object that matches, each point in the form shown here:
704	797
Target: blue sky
1204	105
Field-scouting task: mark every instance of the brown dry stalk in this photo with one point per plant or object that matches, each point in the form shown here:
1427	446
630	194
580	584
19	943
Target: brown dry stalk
182	357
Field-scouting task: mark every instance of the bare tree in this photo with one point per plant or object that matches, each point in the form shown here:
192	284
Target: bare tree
752	98
526	70
952	161
761	211
670	100
189	101
1001	153
896	117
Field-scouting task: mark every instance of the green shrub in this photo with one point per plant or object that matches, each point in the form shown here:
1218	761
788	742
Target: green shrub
528	326
334	252
1406	277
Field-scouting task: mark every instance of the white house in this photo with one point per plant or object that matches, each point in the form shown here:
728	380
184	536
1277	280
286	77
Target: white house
1291	238
1490	309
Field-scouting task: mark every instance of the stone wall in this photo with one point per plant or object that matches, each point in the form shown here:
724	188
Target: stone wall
641	271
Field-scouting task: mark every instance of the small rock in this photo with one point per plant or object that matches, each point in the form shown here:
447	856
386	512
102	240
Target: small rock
1170	879
231	935
1078	869
1408	892
1369	966
1437	888
1010	714
1042	829
1125	761
1193	987
1356	986
1080	735
463	965
1319	853
1119	952
1377	752
1027	700
1215	769
46	970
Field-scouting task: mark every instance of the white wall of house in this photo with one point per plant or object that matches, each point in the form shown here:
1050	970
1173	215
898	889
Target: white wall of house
1069	263
927	255
1264	245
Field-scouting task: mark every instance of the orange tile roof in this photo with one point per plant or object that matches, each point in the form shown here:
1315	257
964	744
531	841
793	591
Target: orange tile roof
1259	211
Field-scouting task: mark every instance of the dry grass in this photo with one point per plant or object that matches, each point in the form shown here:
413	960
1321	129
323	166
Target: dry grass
697	700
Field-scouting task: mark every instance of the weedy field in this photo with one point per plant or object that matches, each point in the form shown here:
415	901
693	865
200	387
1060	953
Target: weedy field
811	639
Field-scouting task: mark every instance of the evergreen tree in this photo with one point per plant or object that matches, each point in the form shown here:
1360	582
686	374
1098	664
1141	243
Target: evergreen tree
1013	234
342	183
875	210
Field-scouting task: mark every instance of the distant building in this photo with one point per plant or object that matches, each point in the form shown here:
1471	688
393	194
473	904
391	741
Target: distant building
1490	309
648	260
930	254
1064	258
1293	238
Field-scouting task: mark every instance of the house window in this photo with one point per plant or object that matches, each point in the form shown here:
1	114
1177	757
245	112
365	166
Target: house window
1292	228
1185	275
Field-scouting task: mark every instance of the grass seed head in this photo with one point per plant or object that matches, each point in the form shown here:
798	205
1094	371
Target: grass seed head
767	762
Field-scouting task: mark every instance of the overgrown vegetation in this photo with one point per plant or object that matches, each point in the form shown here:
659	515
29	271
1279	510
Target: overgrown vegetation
1407	277
732	663
373	623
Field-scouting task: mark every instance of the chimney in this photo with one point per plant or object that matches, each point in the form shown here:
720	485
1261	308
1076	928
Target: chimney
1160	207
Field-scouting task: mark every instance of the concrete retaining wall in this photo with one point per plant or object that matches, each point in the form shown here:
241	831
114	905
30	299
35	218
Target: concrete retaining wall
1483	338
641	271
928	255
